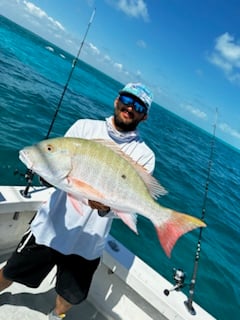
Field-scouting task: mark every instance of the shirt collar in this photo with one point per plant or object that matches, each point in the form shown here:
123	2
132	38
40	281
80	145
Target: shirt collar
119	136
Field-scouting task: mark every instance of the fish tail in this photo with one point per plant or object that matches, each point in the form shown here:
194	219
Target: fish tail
172	229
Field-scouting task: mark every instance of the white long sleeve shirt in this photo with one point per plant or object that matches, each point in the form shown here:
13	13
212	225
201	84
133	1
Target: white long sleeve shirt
58	225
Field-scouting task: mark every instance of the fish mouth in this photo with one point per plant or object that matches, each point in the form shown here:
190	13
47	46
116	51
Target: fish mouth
25	159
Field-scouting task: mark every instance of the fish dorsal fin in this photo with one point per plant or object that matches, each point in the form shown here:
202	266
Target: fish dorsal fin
154	187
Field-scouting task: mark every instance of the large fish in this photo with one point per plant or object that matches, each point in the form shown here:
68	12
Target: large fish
100	171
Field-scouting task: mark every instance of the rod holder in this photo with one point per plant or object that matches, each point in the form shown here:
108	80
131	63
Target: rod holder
188	305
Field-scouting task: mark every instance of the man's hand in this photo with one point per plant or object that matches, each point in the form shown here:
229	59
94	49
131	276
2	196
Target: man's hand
102	209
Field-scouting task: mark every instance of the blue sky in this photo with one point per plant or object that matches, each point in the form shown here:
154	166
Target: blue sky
186	51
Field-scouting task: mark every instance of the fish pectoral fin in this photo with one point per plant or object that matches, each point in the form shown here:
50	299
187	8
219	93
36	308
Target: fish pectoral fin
129	219
85	189
76	204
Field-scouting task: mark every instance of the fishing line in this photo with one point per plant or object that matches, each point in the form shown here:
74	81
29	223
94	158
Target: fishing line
29	174
189	302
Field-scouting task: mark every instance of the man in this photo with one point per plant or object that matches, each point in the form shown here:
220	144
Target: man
58	235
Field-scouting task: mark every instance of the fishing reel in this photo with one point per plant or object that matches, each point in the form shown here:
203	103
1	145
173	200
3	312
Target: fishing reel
179	278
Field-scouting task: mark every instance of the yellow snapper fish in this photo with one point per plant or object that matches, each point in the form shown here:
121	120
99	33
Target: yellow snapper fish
98	170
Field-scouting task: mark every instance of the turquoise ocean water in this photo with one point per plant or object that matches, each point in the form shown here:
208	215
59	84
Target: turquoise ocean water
33	73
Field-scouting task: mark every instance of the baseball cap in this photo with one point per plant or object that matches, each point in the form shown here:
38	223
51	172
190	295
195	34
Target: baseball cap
140	91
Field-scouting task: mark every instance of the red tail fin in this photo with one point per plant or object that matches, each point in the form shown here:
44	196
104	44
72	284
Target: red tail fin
178	224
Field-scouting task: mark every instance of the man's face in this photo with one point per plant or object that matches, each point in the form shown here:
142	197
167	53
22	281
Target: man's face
125	117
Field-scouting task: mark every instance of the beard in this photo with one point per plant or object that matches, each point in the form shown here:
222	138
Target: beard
122	126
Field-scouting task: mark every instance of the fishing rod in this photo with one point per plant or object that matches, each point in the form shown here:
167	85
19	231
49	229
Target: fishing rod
178	274
74	62
30	174
189	301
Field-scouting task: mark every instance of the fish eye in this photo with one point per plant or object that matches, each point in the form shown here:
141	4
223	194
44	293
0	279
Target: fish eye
49	147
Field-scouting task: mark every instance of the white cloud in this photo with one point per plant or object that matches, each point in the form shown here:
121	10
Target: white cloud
56	24
94	49
118	66
224	127
34	10
195	111
37	20
228	49
218	61
132	8
226	56
41	15
107	58
141	44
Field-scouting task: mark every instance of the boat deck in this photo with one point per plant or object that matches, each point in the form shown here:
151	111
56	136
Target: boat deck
21	303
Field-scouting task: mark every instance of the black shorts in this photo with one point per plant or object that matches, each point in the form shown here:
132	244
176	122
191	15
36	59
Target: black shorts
31	263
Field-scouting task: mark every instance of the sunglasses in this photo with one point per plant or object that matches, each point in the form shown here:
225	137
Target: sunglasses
129	101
